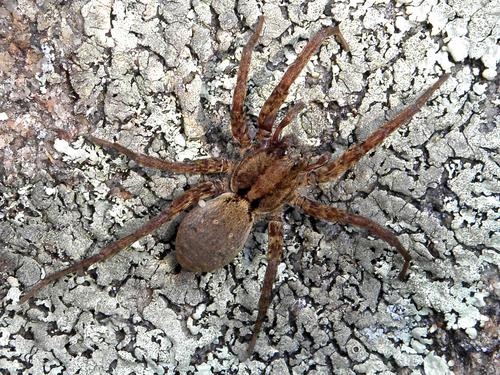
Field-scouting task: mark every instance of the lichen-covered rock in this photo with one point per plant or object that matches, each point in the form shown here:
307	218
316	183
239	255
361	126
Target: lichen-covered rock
158	77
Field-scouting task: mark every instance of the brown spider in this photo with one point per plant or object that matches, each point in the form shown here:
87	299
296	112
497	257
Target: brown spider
266	178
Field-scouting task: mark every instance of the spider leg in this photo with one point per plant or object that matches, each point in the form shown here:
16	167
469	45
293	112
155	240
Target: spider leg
208	165
238	124
336	215
270	108
275	249
289	117
334	168
179	204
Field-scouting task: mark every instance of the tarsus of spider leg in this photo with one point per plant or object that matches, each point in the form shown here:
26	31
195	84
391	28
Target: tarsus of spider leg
208	165
336	215
270	108
238	124
289	117
182	202
334	168
275	249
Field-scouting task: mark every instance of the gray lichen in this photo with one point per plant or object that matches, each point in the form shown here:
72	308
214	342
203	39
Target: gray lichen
158	77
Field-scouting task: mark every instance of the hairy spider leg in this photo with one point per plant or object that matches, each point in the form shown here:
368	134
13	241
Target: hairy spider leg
336	215
238	121
275	249
270	108
179	204
202	166
289	117
350	157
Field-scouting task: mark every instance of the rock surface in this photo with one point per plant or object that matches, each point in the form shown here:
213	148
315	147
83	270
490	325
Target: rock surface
158	77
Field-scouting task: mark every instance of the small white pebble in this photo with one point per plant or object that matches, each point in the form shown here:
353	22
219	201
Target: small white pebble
13	281
489	74
471	332
199	311
315	74
434	365
50	191
402	24
443	59
479	89
13	294
80	280
180	140
3	116
458	48
418	346
110	42
202	203
222	65
438	22
227	83
204	369
187	154
491	57
419	13
191	326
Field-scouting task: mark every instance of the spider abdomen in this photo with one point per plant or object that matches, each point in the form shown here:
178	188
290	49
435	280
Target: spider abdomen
211	235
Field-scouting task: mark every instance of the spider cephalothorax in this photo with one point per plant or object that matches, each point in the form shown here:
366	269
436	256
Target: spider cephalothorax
211	235
257	186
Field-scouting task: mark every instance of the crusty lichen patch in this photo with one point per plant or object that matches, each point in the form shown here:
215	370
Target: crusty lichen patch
158	77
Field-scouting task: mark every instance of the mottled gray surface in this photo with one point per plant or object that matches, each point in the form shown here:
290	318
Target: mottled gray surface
158	77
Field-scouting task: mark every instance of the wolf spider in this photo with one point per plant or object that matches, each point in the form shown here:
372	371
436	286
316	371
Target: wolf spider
268	176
